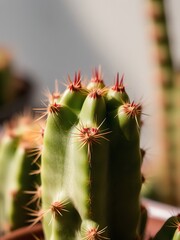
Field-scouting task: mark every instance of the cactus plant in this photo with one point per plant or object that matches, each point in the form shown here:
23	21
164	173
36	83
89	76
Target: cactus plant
166	168
91	162
90	166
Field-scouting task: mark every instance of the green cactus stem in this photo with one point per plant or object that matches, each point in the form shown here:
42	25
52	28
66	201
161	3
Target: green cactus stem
56	136
88	157
124	171
91	162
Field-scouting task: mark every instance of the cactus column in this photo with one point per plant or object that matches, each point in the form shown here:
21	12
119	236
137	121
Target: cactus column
167	103
91	163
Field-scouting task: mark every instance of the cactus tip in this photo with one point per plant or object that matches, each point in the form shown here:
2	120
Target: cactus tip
76	84
119	85
97	76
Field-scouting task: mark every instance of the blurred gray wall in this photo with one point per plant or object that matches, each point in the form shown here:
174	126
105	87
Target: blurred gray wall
51	38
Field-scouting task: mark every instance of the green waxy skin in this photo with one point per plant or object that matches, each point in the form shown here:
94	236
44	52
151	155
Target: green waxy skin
87	162
124	176
93	110
73	99
53	158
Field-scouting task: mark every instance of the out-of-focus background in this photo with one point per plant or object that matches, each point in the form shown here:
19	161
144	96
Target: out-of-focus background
50	39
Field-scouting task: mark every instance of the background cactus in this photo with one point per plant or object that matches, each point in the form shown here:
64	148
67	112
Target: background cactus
166	166
15	173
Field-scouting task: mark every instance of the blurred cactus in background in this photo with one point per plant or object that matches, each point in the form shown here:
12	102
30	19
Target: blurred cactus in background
17	181
167	80
15	88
